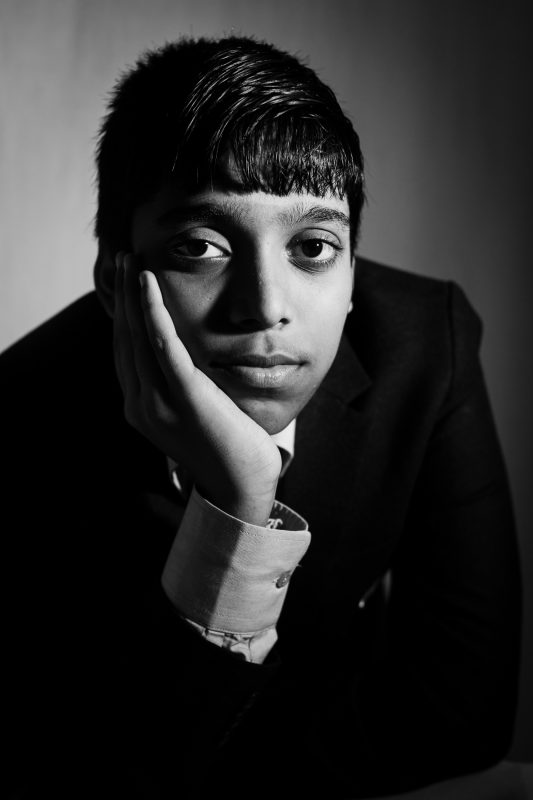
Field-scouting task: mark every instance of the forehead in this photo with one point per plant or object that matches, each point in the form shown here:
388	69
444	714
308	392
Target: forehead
174	205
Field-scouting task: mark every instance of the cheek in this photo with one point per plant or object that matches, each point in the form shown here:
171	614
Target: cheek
326	318
187	303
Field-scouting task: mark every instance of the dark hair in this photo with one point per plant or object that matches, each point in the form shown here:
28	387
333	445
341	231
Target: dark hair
181	106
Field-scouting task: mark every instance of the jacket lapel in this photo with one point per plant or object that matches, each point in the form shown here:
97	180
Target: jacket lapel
322	485
329	443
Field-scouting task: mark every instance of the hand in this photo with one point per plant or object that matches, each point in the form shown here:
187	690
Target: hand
232	460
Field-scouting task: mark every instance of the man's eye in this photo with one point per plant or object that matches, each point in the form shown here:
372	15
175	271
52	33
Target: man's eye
197	248
315	250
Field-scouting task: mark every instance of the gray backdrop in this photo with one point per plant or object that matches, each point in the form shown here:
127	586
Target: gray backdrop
441	96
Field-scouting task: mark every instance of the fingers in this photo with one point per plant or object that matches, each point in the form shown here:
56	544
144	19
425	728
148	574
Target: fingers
142	381
122	342
172	355
146	368
152	363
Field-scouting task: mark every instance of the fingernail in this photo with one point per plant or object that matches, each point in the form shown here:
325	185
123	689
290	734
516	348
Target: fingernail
142	279
118	259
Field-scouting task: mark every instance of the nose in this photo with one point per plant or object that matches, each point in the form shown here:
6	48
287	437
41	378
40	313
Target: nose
259	296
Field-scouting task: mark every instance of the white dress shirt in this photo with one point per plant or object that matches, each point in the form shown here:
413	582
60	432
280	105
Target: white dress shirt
229	578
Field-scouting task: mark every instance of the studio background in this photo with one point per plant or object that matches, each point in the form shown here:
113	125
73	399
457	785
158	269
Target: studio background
440	94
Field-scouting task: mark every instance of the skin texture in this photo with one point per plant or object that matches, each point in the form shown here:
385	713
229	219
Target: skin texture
226	274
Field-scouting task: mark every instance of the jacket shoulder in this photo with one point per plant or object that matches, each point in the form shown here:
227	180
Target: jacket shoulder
408	295
403	316
61	368
72	333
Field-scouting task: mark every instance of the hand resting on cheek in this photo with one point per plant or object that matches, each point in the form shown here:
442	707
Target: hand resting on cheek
232	460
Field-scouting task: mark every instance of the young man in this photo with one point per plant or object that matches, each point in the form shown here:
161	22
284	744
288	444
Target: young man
262	540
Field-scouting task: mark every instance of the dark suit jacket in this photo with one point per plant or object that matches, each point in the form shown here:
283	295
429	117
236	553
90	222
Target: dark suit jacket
397	467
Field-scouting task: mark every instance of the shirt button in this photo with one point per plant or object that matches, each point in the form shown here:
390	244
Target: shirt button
283	579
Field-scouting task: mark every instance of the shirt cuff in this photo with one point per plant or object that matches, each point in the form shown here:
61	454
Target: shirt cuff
253	647
228	575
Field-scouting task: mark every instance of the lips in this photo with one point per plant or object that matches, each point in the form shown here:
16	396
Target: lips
256	360
258	371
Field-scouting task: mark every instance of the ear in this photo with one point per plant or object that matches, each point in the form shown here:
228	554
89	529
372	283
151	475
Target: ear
104	278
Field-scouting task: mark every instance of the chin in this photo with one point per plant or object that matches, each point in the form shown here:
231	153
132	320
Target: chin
271	415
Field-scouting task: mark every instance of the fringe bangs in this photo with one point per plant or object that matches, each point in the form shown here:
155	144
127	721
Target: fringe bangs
276	156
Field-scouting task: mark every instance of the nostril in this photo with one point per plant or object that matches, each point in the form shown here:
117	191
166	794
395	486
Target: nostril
260	324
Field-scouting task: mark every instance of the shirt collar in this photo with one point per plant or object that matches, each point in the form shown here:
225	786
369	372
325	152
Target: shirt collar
285	441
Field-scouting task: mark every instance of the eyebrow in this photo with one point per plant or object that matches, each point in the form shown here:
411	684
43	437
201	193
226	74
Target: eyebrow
290	218
200	213
298	214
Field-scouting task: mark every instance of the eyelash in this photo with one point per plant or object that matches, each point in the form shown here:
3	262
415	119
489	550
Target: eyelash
307	263
185	242
317	265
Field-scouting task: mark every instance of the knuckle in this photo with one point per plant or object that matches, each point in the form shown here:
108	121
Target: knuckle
168	418
160	343
147	304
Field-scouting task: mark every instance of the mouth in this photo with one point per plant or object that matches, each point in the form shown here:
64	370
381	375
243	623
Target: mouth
258	371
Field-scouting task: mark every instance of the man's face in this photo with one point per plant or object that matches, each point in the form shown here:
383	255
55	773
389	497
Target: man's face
258	287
